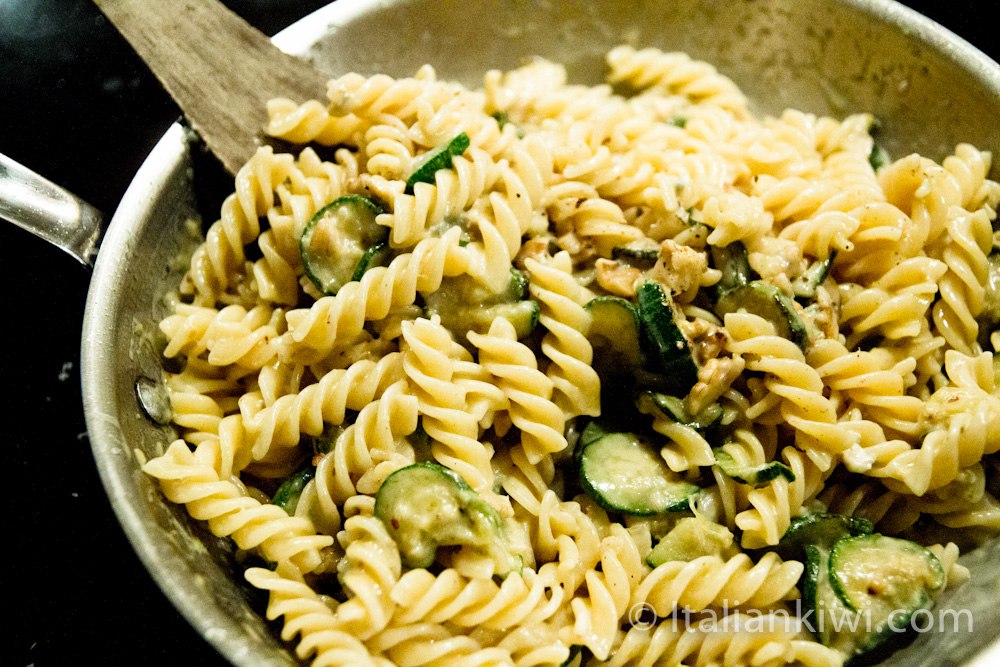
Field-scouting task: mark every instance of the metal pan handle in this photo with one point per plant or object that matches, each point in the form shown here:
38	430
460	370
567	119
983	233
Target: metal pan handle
48	211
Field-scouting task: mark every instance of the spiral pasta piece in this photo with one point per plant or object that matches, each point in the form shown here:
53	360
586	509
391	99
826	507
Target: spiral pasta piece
736	639
369	450
596	616
963	432
774	505
371	566
532	411
676	73
522	599
229	512
310	121
962	287
435	645
711	581
577	388
871	381
441	403
803	405
216	261
232	335
308	617
381	290
282	424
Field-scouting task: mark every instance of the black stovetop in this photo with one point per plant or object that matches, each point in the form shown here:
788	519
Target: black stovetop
78	106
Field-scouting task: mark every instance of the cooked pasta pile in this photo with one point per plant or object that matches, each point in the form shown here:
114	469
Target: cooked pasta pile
832	313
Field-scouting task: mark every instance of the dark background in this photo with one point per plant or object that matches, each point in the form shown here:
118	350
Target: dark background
77	106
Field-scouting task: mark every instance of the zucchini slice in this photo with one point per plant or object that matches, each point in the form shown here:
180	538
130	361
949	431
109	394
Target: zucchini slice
426	505
435	159
820	530
614	331
884	575
764	299
692	537
591	432
879	156
863	593
342	241
575	657
637	254
734	264
753	475
625	475
805	285
832	623
671	352
821	604
288	494
671	407
464	305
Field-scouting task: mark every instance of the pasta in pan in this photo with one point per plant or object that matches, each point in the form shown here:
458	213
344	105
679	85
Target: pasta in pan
544	374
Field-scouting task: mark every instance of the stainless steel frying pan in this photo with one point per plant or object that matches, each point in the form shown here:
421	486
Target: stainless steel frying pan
930	89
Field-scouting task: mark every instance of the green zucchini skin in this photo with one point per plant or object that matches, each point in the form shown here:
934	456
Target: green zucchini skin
733	262
436	159
668	349
804	286
821	530
641	257
288	494
878	157
752	475
623	474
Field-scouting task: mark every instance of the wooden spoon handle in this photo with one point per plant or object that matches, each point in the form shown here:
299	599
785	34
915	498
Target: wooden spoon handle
220	70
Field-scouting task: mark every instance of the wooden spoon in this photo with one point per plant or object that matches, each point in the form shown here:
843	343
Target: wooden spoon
219	69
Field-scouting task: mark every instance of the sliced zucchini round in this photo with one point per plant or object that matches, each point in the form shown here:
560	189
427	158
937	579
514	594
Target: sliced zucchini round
426	505
767	301
863	592
883	575
435	159
342	241
625	475
614	331
464	304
